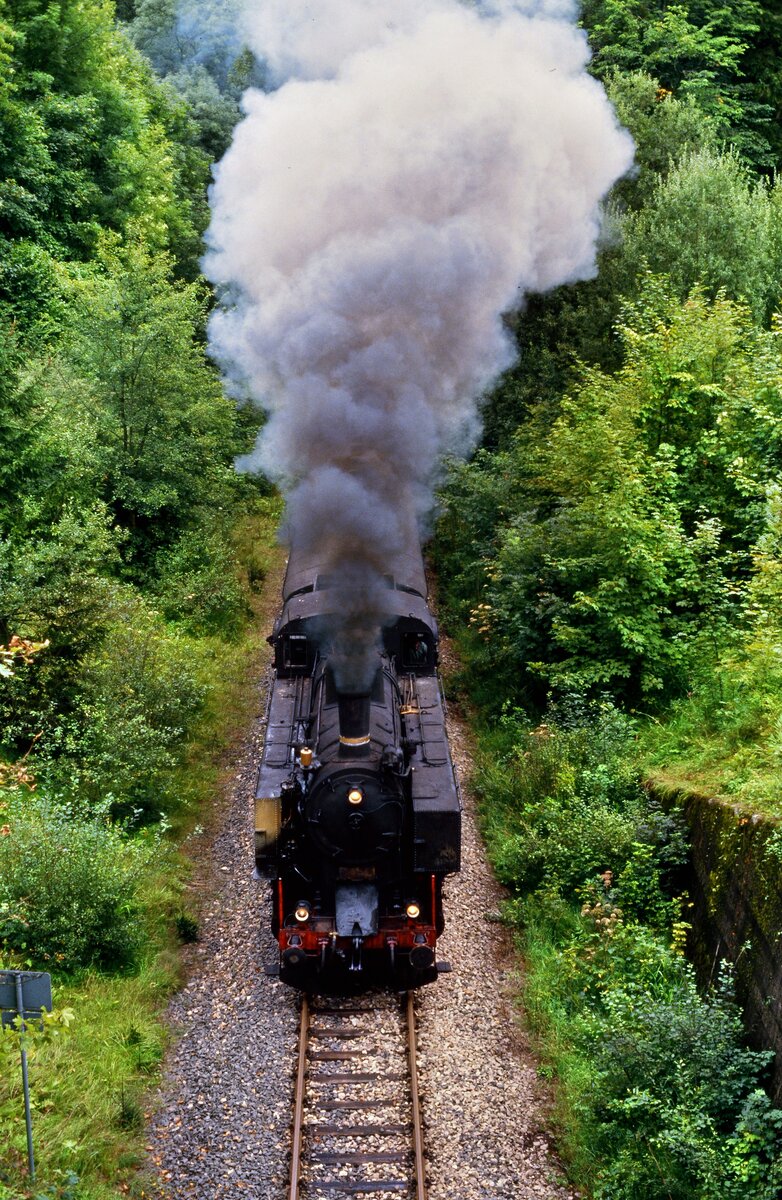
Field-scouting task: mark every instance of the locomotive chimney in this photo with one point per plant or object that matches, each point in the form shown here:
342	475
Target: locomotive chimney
354	724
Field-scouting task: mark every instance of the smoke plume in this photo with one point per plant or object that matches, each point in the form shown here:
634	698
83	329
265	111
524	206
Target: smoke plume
421	167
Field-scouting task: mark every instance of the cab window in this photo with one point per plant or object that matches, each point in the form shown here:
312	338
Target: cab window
295	651
415	651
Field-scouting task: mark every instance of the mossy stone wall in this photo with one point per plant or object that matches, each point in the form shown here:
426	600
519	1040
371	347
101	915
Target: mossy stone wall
736	890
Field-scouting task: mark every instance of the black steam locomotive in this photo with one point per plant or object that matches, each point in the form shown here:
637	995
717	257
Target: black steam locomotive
357	810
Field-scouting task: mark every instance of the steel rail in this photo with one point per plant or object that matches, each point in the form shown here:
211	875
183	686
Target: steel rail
306	1058
298	1104
418	1135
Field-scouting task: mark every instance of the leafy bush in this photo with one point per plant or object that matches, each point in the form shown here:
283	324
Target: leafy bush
198	583
109	703
695	51
708	222
53	589
673	1096
657	1081
678	1096
609	548
562	802
68	889
728	731
140	694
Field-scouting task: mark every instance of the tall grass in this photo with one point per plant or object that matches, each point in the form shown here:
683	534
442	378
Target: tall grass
725	738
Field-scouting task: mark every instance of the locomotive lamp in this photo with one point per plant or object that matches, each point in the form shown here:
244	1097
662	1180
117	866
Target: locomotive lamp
355	796
302	912
413	910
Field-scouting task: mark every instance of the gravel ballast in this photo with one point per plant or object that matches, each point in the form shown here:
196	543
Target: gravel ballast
221	1123
221	1126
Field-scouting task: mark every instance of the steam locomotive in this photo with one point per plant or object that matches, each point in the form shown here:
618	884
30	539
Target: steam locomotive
357	809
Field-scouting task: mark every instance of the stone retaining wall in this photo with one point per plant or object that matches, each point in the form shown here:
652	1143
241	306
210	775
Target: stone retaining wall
736	889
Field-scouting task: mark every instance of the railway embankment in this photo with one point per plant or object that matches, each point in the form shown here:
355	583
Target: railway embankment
735	885
657	1093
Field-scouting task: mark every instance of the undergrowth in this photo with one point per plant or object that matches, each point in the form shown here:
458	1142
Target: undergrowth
725	738
114	960
658	1097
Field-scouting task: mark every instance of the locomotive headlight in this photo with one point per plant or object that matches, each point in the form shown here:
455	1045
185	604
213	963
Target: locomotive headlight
302	912
355	796
413	910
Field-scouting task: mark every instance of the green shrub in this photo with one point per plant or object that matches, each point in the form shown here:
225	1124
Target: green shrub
678	1096
54	588
68	889
140	693
727	732
673	1110
671	1106
198	583
640	893
562	803
608	547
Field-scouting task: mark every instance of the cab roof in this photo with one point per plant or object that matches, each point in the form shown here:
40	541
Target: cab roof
309	572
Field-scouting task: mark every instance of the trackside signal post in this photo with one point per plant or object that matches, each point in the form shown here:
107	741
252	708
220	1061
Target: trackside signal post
23	996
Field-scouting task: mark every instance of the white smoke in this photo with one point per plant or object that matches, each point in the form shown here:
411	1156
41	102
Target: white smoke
423	168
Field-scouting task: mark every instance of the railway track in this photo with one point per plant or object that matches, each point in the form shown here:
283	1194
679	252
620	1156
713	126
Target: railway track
357	1119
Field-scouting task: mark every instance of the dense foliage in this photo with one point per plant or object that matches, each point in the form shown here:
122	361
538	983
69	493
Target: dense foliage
659	1096
609	561
608	534
117	489
68	889
126	571
618	535
614	552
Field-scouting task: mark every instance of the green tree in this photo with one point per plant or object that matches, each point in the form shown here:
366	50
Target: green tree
763	69
165	432
196	47
85	145
709	222
664	128
615	545
695	50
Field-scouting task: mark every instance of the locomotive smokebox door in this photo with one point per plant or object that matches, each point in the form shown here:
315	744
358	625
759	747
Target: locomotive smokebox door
357	905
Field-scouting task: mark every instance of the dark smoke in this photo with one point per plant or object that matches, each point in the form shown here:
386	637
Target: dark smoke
424	166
